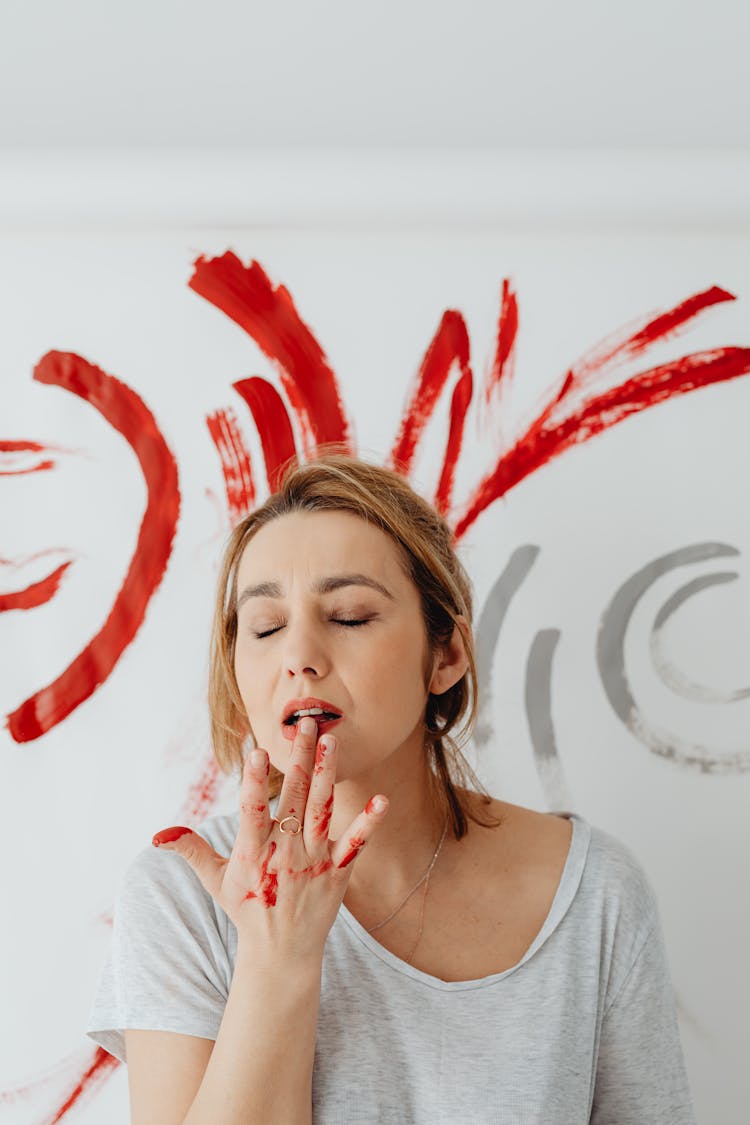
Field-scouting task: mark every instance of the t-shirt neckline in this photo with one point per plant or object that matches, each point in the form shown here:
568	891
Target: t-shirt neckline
564	895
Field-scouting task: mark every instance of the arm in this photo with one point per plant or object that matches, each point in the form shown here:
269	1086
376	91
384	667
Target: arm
640	1074
282	892
259	1069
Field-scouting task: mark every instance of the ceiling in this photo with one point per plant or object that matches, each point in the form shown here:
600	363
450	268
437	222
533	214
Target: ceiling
400	75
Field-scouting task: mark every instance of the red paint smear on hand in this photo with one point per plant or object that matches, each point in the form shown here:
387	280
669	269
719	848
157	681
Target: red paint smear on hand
323	825
169	835
235	463
355	845
269	881
129	415
36	594
273	425
268	315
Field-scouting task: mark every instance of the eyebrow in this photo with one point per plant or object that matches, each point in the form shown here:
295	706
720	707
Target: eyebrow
322	586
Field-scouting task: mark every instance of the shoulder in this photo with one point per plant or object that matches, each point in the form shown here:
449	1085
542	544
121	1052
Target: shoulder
156	878
523	838
535	844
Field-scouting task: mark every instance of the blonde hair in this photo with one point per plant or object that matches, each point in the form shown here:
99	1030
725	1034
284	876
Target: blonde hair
334	481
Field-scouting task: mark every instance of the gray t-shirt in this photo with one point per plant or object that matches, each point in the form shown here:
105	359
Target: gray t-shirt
582	1030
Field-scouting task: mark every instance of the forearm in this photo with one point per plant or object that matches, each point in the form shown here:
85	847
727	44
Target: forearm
260	1070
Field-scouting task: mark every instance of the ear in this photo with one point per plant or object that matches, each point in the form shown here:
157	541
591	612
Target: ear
451	661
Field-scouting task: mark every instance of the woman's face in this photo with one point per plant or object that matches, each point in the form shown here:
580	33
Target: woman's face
301	580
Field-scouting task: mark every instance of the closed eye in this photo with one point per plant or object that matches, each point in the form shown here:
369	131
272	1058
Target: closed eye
348	622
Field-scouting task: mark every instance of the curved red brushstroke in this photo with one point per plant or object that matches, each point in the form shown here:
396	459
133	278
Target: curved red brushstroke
102	1067
542	442
450	343
459	406
36	594
634	339
130	416
500	374
236	467
9	448
272	422
268	315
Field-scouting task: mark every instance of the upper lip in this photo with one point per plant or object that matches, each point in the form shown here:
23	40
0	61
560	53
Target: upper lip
300	704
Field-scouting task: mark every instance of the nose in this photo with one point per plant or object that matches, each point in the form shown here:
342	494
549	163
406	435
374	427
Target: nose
304	650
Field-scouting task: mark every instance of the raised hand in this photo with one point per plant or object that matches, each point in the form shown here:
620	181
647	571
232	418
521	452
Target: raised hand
278	887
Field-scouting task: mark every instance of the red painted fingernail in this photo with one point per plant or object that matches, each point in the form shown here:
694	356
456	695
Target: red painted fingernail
168	835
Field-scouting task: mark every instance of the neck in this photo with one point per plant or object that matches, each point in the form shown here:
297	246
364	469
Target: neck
400	850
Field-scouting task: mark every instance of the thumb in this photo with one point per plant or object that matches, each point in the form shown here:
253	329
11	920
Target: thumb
207	864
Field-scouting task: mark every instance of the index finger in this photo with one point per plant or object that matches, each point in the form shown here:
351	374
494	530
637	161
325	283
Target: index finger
255	816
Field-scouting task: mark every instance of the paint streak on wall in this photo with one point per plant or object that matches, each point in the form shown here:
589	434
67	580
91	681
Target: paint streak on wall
129	415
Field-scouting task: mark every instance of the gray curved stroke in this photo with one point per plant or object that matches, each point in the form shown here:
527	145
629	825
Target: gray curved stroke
490	623
610	658
538	700
672	676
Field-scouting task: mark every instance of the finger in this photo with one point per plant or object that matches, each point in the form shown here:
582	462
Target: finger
255	817
348	846
293	797
320	797
207	864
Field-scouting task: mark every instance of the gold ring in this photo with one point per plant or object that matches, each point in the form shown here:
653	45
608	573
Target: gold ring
286	831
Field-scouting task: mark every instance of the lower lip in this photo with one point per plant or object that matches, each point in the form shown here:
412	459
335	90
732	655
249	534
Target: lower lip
290	733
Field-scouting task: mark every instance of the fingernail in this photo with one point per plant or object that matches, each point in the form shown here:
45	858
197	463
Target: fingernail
308	725
257	759
377	804
328	742
168	835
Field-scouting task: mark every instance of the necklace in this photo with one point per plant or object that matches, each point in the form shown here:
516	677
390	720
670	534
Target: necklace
426	880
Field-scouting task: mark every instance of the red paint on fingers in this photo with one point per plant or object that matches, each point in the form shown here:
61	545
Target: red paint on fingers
355	846
323	824
169	835
269	881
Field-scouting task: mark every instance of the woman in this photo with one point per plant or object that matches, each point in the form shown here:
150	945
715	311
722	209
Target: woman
517	972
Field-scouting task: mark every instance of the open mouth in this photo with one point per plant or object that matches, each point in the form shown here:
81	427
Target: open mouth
319	715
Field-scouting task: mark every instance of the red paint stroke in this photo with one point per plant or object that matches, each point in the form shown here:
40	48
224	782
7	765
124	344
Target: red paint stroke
449	344
235	463
272	422
459	406
128	414
268	315
101	1068
322	825
269	880
12	458
36	594
169	835
355	845
500	374
633	340
202	793
543	441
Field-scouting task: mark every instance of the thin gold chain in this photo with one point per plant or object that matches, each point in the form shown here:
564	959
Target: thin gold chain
425	879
